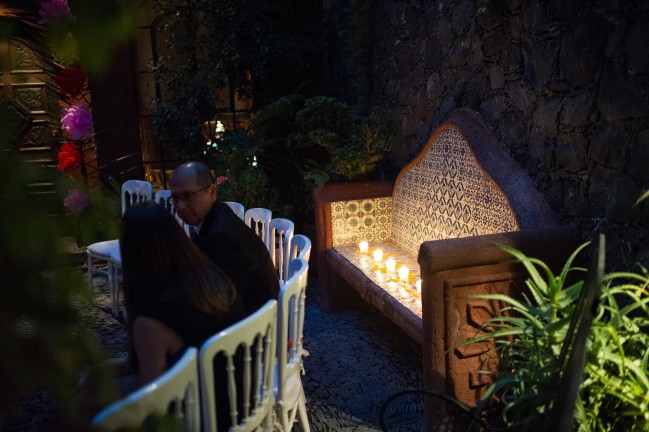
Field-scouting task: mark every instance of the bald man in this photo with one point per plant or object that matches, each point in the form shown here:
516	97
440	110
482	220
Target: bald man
223	237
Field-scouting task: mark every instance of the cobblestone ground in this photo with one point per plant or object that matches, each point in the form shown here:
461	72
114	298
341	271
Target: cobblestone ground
357	360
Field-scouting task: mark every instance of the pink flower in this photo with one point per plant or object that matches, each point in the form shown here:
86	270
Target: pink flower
76	201
77	120
53	9
221	180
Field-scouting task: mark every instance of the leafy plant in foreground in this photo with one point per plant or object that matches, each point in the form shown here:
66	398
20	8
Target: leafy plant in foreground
614	394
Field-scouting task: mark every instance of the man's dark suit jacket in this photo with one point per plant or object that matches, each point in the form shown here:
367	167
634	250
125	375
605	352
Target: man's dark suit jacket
235	248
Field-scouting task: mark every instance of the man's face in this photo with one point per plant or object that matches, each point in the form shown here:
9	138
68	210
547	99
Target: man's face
192	201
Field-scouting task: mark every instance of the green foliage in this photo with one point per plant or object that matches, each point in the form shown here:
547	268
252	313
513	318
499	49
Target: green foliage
100	221
323	137
615	389
251	46
46	346
250	187
241	178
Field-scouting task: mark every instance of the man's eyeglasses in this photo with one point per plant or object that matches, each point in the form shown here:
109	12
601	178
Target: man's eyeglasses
187	196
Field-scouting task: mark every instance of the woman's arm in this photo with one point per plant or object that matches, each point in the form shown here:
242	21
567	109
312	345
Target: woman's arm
152	341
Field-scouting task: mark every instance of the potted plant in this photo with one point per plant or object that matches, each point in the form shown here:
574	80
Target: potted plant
323	138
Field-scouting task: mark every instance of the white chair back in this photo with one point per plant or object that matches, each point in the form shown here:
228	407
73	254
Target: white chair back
163	197
279	245
173	393
300	247
251	403
237	208
135	192
258	219
289	393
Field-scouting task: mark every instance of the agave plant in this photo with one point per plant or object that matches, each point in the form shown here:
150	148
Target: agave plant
614	394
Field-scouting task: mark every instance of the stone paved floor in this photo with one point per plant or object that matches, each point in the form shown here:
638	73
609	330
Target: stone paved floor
357	360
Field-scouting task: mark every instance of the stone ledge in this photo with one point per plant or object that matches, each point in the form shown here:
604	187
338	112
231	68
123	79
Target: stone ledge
398	300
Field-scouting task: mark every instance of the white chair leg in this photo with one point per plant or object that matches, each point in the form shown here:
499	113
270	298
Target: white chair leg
90	273
116	272
301	410
111	288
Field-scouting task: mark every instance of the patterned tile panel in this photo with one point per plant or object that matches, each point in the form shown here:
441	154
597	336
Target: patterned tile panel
361	220
403	291
448	195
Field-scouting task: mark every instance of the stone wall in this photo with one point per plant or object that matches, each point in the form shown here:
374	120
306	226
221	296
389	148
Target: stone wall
564	84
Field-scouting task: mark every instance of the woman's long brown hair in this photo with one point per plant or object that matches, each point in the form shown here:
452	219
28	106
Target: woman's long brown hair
158	258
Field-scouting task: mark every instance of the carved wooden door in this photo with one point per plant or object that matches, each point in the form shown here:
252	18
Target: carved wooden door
26	92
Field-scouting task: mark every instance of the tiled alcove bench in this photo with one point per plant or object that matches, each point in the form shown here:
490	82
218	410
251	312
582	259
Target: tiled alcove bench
440	218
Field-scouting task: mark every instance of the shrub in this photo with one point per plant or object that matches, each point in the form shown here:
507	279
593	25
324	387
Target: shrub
614	393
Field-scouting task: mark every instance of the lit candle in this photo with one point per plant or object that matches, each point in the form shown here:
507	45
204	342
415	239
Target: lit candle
418	285
363	246
390	264
403	273
364	263
378	255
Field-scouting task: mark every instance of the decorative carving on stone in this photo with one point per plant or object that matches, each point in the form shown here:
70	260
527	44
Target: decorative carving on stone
477	312
38	136
21	121
474	361
32	97
22	59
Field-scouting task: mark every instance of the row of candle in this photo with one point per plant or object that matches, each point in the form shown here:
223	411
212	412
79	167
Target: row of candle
390	263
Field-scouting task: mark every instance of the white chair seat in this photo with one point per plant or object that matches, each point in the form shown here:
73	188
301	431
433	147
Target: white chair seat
105	251
104	248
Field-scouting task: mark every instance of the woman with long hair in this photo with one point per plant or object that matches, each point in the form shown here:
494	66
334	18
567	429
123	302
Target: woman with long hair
175	297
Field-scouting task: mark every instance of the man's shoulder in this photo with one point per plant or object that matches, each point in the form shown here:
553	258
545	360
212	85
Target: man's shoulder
221	221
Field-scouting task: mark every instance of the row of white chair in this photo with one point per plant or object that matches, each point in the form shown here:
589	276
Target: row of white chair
271	394
277	234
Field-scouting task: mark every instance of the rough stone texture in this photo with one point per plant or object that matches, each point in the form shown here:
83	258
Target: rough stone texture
588	60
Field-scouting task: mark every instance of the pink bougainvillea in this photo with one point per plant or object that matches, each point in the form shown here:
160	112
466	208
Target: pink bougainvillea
77	121
221	180
76	201
53	9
